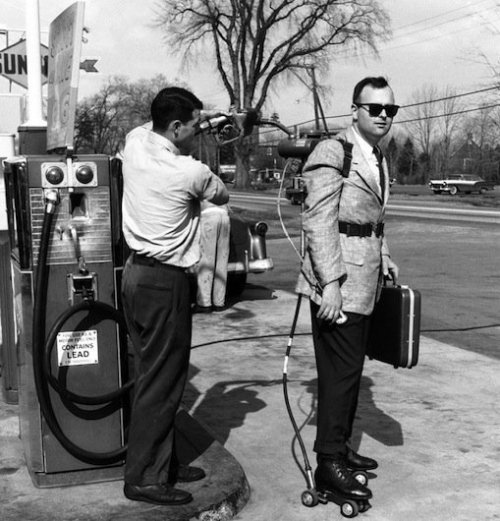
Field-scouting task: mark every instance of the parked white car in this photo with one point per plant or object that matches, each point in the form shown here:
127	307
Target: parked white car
460	183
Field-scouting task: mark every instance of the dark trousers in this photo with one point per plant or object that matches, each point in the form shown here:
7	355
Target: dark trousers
156	304
340	352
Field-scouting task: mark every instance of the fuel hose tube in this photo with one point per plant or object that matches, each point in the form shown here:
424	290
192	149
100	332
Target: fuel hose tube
41	348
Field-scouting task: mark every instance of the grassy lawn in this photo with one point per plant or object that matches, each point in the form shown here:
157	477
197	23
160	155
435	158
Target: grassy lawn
407	193
489	199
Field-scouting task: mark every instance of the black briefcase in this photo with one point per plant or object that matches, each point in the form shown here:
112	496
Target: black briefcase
395	327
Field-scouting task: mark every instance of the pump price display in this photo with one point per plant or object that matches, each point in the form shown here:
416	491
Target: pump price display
77	348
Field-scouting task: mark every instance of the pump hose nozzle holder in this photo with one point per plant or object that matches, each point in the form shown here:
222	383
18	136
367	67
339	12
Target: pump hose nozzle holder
41	363
51	201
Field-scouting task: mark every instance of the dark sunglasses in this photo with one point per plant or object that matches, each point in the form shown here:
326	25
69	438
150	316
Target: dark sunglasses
375	109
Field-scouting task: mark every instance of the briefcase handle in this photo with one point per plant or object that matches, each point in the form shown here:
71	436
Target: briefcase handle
389	278
394	284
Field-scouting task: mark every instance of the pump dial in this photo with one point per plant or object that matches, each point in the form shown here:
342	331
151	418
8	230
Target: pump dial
85	174
54	175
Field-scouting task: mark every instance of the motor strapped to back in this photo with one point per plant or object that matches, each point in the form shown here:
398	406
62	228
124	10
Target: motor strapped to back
297	148
297	151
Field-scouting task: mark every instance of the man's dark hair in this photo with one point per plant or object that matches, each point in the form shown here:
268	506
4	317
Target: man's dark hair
173	103
378	82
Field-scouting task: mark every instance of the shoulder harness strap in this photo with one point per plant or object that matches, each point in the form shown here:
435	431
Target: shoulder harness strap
347	159
346	167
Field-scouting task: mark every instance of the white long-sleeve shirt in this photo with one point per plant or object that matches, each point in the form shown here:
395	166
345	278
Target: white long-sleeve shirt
161	198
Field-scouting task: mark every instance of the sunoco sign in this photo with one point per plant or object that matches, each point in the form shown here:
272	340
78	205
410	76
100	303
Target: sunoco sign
14	63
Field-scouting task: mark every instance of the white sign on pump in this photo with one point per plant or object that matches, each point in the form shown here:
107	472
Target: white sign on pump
77	348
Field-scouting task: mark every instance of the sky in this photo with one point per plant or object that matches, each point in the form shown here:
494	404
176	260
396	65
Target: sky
434	42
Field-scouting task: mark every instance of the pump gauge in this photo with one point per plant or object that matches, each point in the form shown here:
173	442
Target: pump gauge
53	174
84	174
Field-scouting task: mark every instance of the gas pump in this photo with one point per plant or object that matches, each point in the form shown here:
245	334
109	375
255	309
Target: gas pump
67	258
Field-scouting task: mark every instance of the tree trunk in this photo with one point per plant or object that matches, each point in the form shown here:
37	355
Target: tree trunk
242	149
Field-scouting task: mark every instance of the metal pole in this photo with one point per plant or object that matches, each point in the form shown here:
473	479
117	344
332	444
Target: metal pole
35	115
5	32
315	97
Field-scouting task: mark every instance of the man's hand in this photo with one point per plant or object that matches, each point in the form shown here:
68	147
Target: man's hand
390	268
331	302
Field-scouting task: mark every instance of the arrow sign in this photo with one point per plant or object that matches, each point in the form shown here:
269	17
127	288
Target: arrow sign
87	65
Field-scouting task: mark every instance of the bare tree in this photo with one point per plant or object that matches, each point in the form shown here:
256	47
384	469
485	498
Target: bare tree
104	119
257	43
483	128
449	125
424	112
433	125
485	125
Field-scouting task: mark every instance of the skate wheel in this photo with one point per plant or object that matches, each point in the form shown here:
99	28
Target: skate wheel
309	498
349	508
361	477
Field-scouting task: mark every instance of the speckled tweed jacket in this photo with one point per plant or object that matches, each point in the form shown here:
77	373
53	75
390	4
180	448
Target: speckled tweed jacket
330	198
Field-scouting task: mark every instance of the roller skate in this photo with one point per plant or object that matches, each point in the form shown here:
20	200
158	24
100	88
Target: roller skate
336	483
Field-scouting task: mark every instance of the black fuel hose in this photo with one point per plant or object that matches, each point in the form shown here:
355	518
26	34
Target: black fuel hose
307	471
38	348
105	312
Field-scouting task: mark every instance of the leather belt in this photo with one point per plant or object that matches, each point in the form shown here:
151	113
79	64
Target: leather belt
361	230
144	260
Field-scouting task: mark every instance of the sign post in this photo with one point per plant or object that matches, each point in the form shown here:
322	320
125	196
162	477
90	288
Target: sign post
32	133
65	42
35	116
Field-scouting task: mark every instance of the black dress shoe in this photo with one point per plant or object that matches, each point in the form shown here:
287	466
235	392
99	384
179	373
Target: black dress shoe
157	494
187	474
332	475
357	462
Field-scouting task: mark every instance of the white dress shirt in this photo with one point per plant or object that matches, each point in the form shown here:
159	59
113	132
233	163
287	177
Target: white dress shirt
161	195
370	157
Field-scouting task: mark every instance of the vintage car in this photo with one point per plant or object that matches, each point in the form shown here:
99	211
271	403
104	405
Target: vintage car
247	243
247	252
227	173
295	192
460	183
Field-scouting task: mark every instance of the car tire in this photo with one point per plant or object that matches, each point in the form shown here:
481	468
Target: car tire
453	190
235	284
437	192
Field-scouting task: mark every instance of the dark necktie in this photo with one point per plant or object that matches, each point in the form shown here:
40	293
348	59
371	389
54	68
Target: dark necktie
380	158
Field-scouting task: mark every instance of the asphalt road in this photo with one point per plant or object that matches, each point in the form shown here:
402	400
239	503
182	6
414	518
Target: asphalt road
453	262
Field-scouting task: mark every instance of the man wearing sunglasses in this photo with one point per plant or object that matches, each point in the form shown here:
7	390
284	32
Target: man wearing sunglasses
342	271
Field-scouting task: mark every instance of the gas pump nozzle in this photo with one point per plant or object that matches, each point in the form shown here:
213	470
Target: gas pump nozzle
228	126
82	266
83	282
51	201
